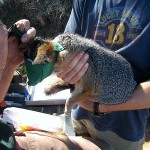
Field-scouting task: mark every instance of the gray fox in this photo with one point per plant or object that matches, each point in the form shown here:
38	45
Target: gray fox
108	80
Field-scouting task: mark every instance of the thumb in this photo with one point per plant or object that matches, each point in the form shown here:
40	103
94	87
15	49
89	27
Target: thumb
30	34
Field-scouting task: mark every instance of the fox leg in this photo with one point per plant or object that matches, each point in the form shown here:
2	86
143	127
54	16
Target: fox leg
55	85
75	98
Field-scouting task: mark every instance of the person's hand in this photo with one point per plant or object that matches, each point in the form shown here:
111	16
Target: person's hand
76	69
3	45
16	48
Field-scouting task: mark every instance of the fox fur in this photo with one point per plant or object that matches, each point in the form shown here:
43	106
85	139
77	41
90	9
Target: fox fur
108	80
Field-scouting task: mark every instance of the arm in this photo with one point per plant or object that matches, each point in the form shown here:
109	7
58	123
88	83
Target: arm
5	80
139	100
15	55
3	47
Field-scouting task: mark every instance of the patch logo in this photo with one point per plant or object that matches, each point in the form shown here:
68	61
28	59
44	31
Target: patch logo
117	27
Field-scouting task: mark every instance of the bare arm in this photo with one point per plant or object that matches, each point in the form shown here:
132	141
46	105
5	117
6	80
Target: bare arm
139	100
3	46
6	78
15	55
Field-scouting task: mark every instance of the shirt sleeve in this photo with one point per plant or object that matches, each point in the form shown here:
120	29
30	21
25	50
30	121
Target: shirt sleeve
75	19
138	54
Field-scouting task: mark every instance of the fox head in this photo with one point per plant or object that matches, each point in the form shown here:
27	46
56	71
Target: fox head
40	51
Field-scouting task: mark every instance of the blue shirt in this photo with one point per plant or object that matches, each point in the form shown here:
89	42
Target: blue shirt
122	26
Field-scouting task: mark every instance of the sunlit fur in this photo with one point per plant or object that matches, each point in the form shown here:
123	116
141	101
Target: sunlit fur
45	53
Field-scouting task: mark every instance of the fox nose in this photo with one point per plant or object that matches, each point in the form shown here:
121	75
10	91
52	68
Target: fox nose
46	61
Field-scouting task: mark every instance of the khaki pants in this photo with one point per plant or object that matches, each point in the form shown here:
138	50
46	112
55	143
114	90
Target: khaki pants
34	140
84	127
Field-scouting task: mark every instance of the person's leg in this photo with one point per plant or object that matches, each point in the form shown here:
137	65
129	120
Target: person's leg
80	128
119	143
109	137
85	128
36	141
42	141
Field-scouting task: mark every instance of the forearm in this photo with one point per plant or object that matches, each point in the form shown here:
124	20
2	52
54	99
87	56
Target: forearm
1	70
139	100
5	79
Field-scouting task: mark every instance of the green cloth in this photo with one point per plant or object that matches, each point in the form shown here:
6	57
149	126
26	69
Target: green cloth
7	139
36	73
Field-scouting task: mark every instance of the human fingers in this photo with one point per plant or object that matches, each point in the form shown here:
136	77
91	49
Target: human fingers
30	34
76	67
72	64
77	76
24	26
27	31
